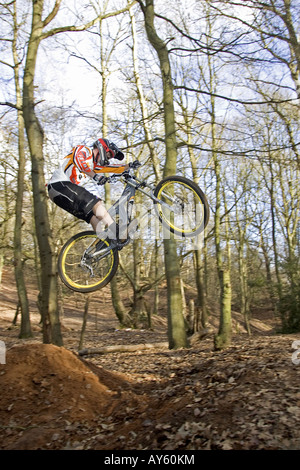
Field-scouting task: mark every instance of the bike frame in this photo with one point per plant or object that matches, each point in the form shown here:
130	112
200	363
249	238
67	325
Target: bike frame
122	208
104	244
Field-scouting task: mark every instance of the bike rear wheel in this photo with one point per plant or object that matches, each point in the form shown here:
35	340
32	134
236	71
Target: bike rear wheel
183	207
81	269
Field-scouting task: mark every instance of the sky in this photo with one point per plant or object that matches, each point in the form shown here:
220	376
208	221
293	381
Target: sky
62	79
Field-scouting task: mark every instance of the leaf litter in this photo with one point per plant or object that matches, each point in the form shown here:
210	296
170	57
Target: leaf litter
246	397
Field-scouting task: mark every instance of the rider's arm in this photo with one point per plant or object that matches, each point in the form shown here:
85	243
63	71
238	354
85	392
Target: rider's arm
84	162
83	159
110	169
106	169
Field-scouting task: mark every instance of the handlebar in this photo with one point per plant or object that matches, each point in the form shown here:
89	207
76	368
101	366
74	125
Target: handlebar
127	173
113	178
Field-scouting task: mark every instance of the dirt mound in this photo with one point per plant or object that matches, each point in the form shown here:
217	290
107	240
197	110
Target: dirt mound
47	391
245	397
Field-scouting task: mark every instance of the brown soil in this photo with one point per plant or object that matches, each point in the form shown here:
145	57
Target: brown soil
245	397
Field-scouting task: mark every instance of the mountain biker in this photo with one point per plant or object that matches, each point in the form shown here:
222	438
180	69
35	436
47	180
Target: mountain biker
73	186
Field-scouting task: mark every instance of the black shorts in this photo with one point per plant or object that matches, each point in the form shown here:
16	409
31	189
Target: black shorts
73	198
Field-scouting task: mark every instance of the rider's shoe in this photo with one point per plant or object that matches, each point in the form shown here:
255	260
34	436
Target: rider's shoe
132	227
124	237
114	232
117	235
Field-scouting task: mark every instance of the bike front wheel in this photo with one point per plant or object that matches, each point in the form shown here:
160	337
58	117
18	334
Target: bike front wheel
86	263
182	206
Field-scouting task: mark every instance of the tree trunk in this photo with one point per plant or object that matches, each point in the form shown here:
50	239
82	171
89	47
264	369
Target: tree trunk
243	278
120	310
176	327
156	288
49	310
25	331
223	338
118	305
84	321
201	305
1	266
139	313
142	100
138	310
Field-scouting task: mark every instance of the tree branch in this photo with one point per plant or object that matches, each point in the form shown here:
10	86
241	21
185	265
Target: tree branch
10	105
91	23
53	13
235	100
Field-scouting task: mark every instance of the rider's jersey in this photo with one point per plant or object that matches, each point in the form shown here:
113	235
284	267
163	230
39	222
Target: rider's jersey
78	164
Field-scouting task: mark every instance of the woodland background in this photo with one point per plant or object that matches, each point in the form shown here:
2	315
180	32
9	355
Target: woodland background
206	89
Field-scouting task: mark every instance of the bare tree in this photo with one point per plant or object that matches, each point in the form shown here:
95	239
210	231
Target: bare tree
275	24
10	10
35	135
176	327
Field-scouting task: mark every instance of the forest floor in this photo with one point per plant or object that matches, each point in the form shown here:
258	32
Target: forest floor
246	397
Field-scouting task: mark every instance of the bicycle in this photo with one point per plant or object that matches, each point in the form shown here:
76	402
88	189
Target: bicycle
87	263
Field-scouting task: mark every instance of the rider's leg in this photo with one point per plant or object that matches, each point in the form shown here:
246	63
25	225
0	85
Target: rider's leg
100	215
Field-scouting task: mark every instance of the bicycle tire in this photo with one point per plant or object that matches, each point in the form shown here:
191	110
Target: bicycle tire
78	277
195	205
